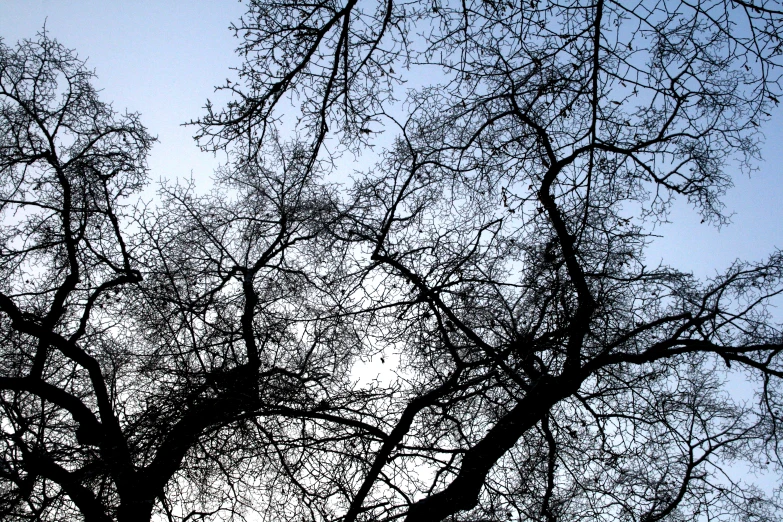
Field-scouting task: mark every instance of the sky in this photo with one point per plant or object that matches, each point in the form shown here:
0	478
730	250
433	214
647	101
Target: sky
162	58
159	58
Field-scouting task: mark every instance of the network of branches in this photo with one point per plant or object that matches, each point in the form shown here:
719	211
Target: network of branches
416	290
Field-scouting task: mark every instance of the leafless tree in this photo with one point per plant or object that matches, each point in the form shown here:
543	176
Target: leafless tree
134	335
198	357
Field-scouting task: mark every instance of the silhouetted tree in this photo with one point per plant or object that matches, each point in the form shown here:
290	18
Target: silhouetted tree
199	357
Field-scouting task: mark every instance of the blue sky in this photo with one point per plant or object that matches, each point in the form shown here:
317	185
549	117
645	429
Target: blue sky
160	58
163	59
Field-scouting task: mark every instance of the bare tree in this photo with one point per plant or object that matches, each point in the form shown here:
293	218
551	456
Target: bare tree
134	336
197	357
67	163
551	373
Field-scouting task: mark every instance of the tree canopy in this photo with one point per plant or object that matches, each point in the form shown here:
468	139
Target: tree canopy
459	193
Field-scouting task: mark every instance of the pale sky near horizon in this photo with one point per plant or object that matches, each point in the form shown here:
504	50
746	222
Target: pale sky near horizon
162	58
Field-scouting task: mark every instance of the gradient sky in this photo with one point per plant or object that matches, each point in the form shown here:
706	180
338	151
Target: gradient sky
162	58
